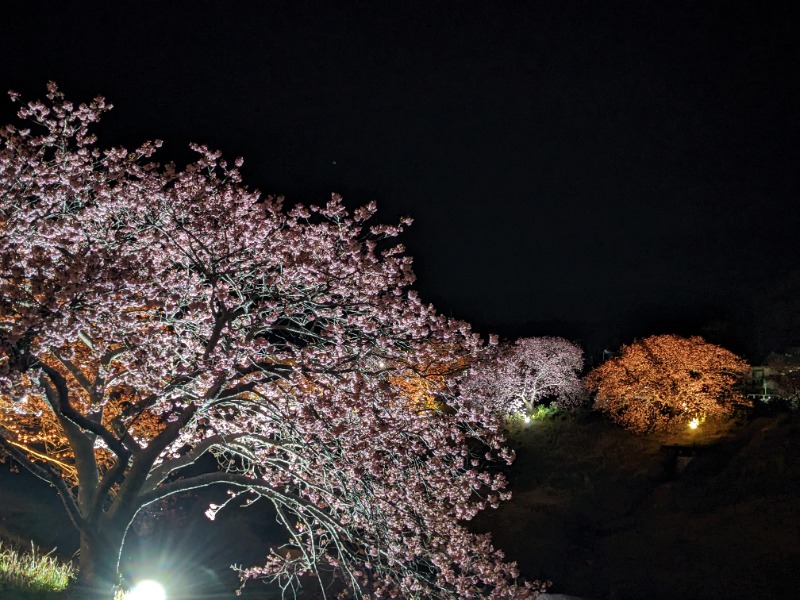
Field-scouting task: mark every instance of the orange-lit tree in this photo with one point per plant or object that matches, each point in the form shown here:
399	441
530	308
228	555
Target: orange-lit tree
30	425
665	381
151	316
424	383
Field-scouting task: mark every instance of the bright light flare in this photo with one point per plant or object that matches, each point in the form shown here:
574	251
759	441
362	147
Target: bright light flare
694	423
527	419
147	590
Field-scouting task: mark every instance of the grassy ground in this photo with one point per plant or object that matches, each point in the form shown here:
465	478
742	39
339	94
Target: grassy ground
31	574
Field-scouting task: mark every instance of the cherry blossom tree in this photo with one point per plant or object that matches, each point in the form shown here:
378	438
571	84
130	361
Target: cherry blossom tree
151	316
665	381
517	376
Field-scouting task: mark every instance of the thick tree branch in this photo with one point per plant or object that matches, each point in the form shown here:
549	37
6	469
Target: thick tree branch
143	461
48	475
65	408
221	319
79	376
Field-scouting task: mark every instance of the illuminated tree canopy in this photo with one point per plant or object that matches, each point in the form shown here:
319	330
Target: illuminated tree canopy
151	316
426	384
518	376
664	381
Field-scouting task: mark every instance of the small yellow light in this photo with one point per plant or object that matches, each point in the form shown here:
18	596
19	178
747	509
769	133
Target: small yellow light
694	423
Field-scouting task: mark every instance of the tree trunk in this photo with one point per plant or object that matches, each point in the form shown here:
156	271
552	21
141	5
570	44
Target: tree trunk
98	565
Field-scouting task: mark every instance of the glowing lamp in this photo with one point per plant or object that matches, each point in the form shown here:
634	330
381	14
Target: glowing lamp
527	418
147	590
694	423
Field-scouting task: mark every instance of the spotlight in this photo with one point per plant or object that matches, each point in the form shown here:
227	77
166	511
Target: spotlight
147	590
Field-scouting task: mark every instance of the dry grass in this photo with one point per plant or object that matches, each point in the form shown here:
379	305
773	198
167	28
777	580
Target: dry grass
32	570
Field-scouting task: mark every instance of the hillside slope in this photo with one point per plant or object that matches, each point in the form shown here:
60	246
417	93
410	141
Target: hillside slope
606	514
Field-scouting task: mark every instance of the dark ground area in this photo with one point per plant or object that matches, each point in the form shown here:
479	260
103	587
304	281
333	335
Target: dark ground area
606	514
601	512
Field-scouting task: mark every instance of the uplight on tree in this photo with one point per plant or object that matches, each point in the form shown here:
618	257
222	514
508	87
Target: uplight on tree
147	590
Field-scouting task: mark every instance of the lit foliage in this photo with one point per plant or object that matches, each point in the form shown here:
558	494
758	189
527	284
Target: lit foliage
150	316
424	384
665	381
29	424
518	376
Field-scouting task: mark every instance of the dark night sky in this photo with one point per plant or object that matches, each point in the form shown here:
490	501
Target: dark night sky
599	170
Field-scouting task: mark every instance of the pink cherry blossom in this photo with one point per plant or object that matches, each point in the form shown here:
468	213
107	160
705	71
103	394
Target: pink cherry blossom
515	377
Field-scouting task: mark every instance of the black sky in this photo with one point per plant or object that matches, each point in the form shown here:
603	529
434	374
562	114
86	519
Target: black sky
595	169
